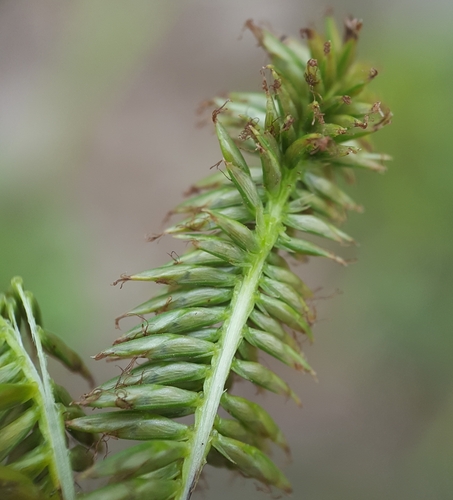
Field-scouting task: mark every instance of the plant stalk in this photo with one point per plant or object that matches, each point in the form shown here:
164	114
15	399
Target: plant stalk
51	427
267	230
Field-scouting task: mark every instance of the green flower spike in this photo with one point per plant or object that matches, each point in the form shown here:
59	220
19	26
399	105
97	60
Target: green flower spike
226	301
233	295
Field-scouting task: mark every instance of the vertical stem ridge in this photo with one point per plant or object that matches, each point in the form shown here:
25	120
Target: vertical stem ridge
52	428
242	305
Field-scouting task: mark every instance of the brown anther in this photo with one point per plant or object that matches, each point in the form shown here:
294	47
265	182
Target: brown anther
191	191
352	27
264	85
144	325
311	80
327	47
376	108
165	306
123	278
363	124
385	120
276	85
289	120
346	99
311	73
257	31
307	33
246	133
217	111
118	319
323	143
373	73
320	144
317	115
123	404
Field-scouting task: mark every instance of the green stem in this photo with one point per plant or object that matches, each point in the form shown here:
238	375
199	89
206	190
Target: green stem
51	425
242	305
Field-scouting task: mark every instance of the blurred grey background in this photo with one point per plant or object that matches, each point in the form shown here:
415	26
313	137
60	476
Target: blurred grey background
98	141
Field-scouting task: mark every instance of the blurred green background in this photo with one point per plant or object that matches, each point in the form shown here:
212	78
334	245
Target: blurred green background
98	141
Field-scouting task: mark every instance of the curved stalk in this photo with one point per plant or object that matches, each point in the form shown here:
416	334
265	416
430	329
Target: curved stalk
51	426
268	229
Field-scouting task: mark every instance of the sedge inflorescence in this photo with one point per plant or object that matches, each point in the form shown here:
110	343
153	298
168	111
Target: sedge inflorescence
233	296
